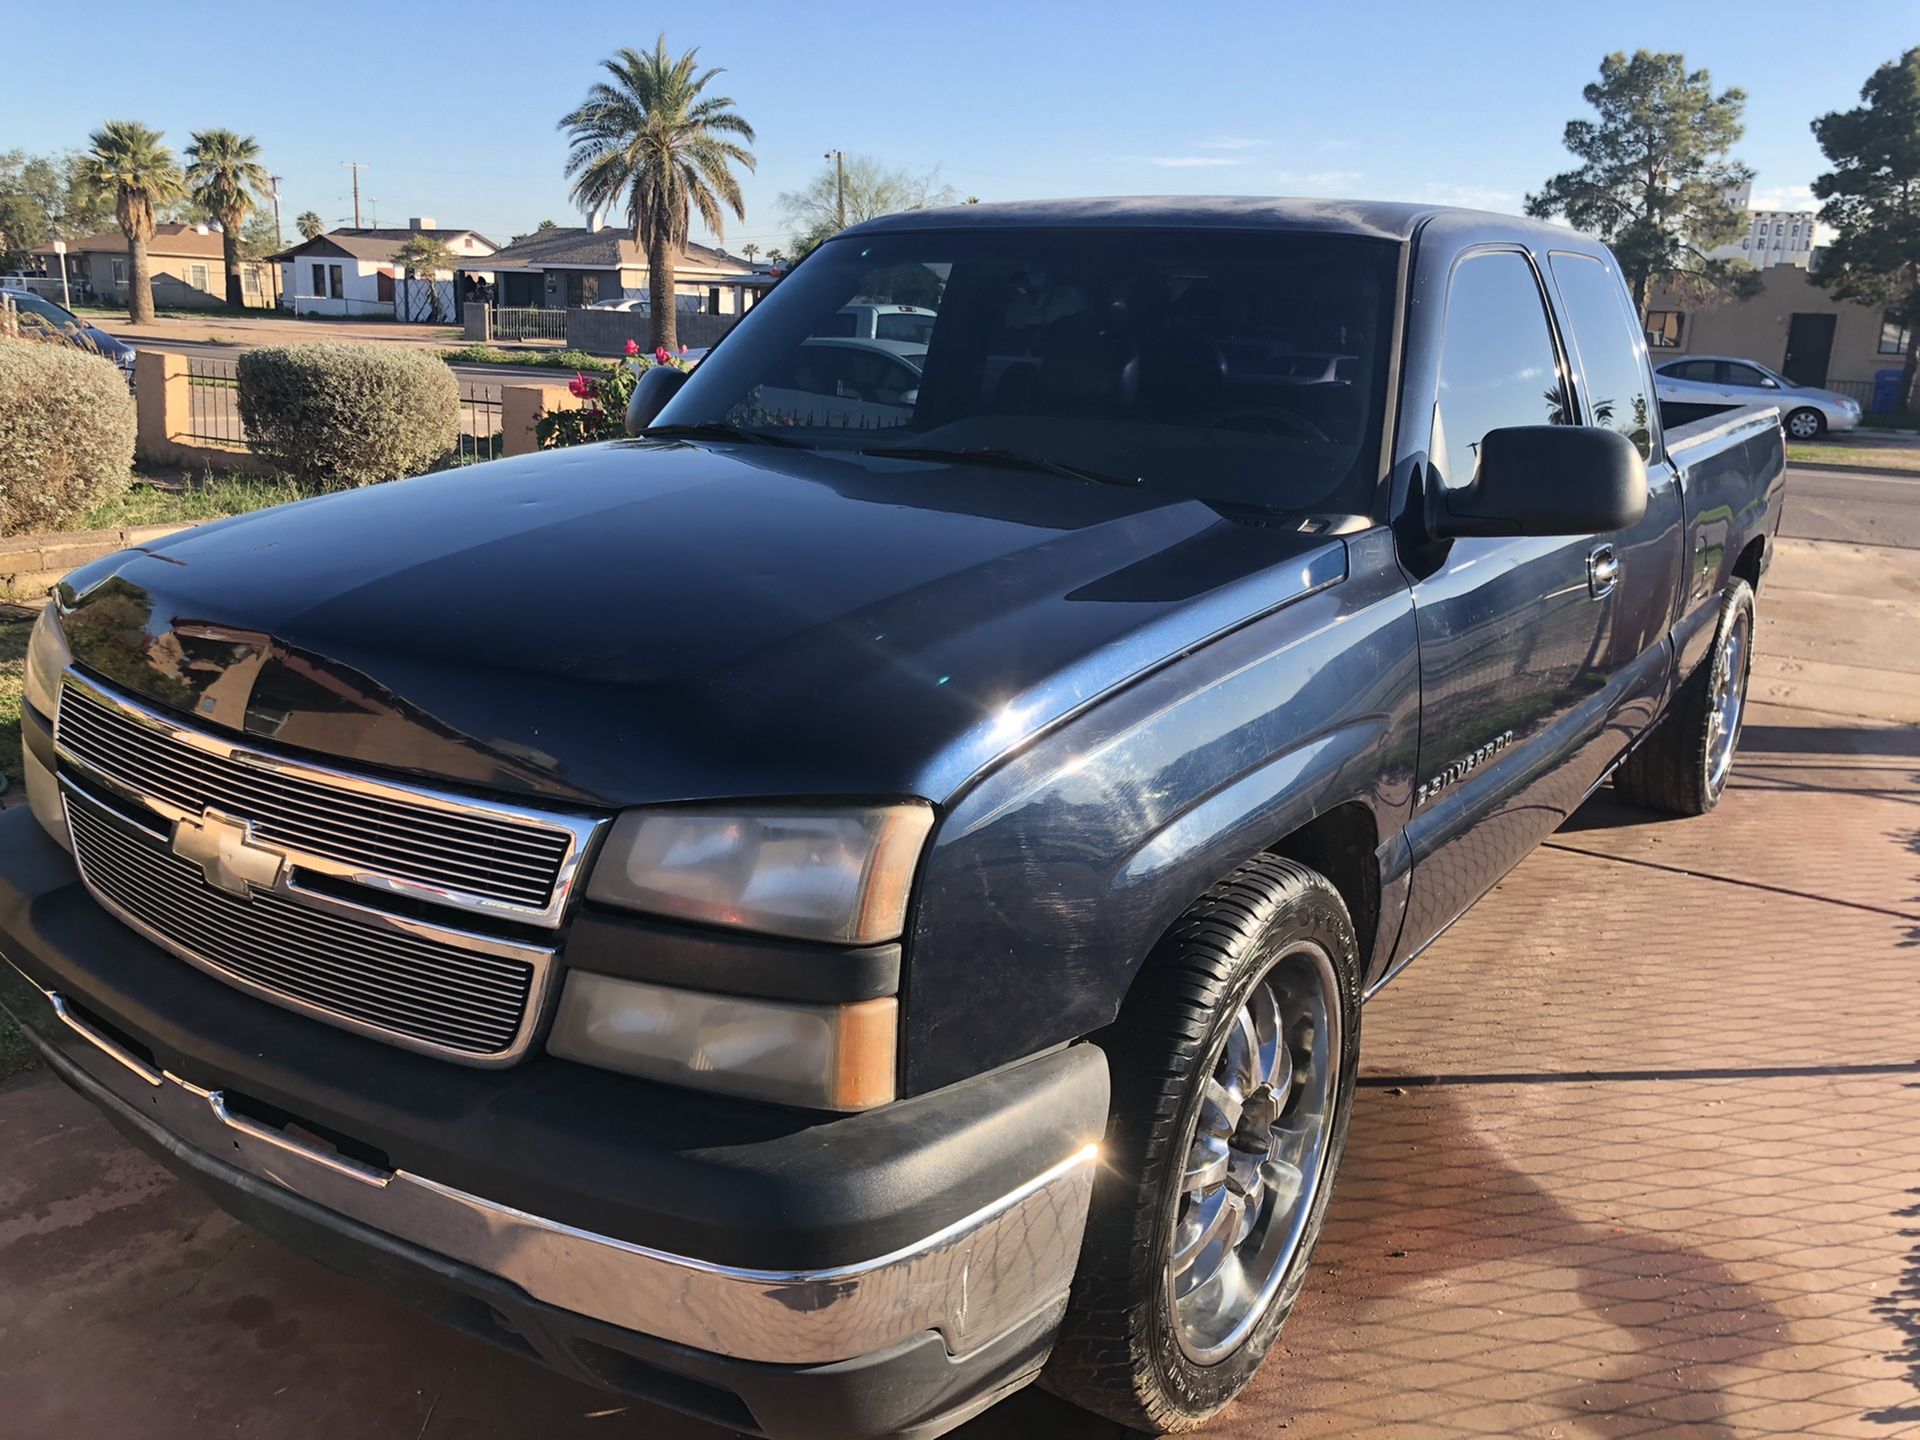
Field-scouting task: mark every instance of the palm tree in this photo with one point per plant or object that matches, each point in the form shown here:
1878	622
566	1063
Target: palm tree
423	258
128	165
653	139
749	250
224	175
309	225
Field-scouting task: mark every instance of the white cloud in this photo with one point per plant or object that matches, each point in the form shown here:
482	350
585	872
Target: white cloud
1784	197
1192	162
1317	182
1471	197
1229	142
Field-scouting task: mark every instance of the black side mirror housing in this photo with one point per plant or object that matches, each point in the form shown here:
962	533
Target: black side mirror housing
655	388
1545	480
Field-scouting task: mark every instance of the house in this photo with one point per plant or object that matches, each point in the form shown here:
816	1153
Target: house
1792	326
185	262
352	272
568	268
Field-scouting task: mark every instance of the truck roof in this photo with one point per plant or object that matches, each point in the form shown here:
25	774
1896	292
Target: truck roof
1380	219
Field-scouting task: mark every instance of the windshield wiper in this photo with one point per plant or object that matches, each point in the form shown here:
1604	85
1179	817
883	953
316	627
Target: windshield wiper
992	455
720	430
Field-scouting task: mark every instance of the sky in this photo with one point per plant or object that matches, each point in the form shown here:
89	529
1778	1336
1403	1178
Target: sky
453	108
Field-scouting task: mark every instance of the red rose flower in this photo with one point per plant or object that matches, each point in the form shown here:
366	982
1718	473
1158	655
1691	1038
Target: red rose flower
661	355
633	348
580	386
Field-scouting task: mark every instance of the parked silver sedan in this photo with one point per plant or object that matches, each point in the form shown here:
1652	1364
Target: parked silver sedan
1806	412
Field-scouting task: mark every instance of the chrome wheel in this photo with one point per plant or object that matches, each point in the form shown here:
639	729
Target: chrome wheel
1256	1154
1727	701
1803	425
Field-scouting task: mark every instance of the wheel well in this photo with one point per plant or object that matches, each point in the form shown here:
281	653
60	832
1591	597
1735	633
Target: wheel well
1341	845
1747	567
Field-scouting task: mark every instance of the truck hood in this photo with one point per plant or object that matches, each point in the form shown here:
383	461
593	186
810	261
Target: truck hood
641	622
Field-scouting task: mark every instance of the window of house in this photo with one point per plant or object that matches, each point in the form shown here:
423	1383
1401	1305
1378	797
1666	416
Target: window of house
119	272
713	300
1498	366
1663	329
336	282
197	276
1894	337
319	279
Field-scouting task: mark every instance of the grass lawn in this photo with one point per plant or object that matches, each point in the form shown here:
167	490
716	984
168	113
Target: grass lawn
15	624
1872	457
206	497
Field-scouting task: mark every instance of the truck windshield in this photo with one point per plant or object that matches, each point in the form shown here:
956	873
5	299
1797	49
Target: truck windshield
1247	368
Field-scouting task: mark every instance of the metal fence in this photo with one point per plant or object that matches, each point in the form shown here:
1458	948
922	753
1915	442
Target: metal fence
1861	390
213	403
511	323
479	422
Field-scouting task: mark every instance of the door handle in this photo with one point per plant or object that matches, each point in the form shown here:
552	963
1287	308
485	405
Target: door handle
1603	570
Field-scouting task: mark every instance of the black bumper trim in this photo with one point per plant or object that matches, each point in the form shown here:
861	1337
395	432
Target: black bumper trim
913	1389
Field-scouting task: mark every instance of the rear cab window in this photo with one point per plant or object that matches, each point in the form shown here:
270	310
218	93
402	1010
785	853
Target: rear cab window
1607	345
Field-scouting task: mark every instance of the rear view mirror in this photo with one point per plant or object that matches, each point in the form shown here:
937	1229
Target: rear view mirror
1546	480
651	393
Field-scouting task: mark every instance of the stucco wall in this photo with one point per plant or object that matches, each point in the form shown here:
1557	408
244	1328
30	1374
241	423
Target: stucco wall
1757	328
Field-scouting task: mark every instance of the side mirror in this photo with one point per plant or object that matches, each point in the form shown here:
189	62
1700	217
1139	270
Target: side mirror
651	393
1767	382
1546	480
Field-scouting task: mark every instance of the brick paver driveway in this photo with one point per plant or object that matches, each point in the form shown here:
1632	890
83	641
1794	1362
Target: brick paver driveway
1638	1153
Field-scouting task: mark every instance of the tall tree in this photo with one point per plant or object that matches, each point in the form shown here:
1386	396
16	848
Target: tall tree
128	164
224	175
1654	176
1872	199
653	139
309	225
750	250
423	258
871	190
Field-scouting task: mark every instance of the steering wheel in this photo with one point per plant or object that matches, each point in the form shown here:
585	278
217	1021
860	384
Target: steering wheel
1271	422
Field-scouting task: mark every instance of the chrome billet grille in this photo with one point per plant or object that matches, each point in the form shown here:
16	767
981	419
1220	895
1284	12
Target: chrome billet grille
411	986
378	834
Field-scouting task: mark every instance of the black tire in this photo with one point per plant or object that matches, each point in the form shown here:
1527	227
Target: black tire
1673	768
1805	419
1118	1353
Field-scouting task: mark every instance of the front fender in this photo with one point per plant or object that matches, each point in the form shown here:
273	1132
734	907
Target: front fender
1053	875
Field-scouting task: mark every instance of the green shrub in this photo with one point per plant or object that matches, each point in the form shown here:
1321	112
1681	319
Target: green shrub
336	416
66	434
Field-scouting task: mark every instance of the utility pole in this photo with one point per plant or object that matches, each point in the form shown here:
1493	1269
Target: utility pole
274	180
356	166
839	158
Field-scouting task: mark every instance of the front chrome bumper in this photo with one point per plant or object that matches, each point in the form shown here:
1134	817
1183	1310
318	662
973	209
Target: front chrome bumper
971	1282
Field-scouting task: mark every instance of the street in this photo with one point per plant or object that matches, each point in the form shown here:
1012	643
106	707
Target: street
1635	1151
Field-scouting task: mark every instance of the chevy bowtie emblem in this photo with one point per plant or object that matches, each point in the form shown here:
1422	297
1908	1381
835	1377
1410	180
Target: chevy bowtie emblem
227	854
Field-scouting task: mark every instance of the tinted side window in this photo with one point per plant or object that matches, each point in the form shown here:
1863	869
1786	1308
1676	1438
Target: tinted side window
1606	337
1497	362
1701	370
1744	375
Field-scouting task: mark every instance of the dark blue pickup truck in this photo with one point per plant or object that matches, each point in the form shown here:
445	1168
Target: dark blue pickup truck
864	894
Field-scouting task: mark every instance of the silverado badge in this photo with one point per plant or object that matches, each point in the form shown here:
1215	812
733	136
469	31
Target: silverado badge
1462	767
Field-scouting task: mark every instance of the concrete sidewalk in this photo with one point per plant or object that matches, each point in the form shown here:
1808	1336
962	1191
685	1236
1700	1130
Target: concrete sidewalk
1637	1153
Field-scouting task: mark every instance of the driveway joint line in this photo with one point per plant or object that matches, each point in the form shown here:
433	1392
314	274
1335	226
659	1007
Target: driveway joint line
1729	880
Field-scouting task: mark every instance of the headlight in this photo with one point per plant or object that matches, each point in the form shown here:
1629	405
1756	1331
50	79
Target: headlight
838	875
47	656
826	1057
